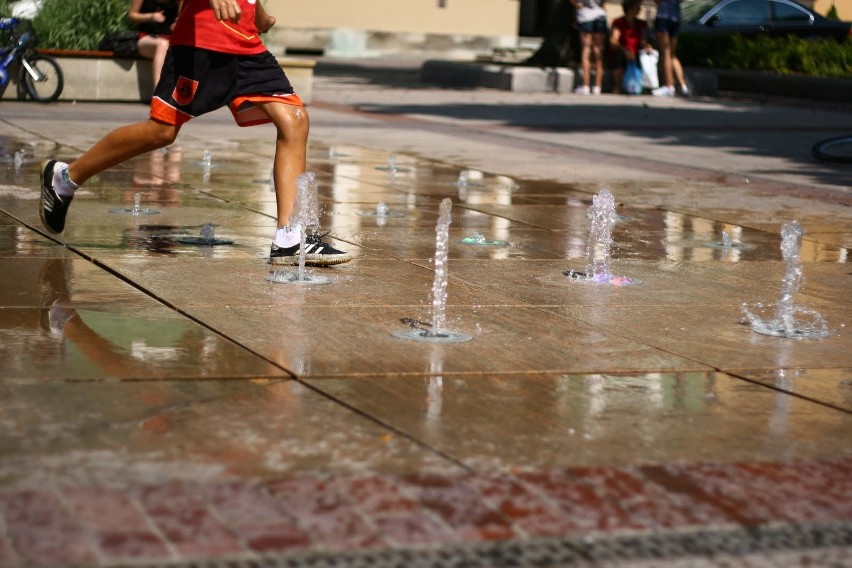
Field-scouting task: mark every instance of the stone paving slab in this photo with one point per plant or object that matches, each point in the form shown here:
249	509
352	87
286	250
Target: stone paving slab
507	339
392	452
827	386
715	335
360	284
114	331
572	420
433	518
180	430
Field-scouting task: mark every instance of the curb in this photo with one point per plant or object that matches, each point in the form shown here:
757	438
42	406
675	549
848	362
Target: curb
702	81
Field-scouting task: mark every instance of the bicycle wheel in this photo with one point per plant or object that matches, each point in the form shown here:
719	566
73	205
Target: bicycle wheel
41	77
834	149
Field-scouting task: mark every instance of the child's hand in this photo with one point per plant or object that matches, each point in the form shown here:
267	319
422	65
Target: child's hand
264	23
226	10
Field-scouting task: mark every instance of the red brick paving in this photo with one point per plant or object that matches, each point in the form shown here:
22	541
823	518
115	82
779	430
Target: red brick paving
183	521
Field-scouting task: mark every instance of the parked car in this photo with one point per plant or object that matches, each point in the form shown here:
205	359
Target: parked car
752	18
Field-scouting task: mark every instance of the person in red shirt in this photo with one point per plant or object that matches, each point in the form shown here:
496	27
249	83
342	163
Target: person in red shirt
629	35
216	58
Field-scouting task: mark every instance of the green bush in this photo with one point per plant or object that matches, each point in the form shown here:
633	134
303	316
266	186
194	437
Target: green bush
786	56
79	24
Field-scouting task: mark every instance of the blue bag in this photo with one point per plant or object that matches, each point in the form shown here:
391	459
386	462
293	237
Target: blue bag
631	83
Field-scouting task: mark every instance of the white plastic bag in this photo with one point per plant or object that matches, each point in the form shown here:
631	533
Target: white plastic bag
648	61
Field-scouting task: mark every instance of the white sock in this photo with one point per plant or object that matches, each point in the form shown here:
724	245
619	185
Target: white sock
286	237
63	184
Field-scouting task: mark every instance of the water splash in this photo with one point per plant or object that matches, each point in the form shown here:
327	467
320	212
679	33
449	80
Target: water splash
305	213
137	208
206	237
727	243
788	319
602	217
206	165
305	219
482	240
436	331
392	167
439	285
306	210
381	210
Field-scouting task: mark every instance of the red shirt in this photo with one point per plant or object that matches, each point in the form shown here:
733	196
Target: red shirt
630	37
197	26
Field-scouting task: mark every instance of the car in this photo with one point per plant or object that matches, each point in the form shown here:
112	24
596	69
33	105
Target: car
753	18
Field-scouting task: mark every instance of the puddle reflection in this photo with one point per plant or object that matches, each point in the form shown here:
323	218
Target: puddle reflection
106	335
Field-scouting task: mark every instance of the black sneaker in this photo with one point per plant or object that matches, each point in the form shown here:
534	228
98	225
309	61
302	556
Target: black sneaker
52	208
56	308
317	253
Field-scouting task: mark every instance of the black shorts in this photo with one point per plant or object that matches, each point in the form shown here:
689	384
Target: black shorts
197	81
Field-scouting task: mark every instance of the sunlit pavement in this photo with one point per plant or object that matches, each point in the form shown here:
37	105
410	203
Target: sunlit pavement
166	404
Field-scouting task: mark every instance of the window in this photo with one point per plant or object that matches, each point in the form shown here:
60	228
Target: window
743	12
783	12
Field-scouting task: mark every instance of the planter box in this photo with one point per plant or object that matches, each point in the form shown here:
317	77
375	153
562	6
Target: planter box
98	76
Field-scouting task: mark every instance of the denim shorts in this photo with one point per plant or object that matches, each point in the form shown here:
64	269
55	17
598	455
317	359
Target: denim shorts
667	26
595	26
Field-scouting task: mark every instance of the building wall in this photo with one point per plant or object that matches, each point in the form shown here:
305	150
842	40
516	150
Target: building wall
844	8
451	28
464	17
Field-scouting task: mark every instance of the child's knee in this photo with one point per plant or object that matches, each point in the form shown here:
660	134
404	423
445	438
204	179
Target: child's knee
163	134
296	120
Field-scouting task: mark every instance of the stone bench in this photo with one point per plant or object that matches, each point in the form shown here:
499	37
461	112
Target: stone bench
100	76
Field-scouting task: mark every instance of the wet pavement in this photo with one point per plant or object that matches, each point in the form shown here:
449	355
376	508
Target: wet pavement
165	404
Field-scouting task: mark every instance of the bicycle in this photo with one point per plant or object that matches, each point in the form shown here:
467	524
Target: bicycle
838	149
39	75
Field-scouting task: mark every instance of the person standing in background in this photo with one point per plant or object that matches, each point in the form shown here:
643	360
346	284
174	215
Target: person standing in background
666	30
591	20
155	20
629	35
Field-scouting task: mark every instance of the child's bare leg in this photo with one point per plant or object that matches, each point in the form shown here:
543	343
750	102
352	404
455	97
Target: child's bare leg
291	143
291	151
120	145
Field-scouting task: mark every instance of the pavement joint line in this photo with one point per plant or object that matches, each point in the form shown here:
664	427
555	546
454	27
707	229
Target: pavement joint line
788	392
144	290
293	375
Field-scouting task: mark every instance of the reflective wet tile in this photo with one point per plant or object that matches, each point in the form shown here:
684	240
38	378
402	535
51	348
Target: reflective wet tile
155	432
19	241
715	335
255	282
828	386
534	421
66	319
354	340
